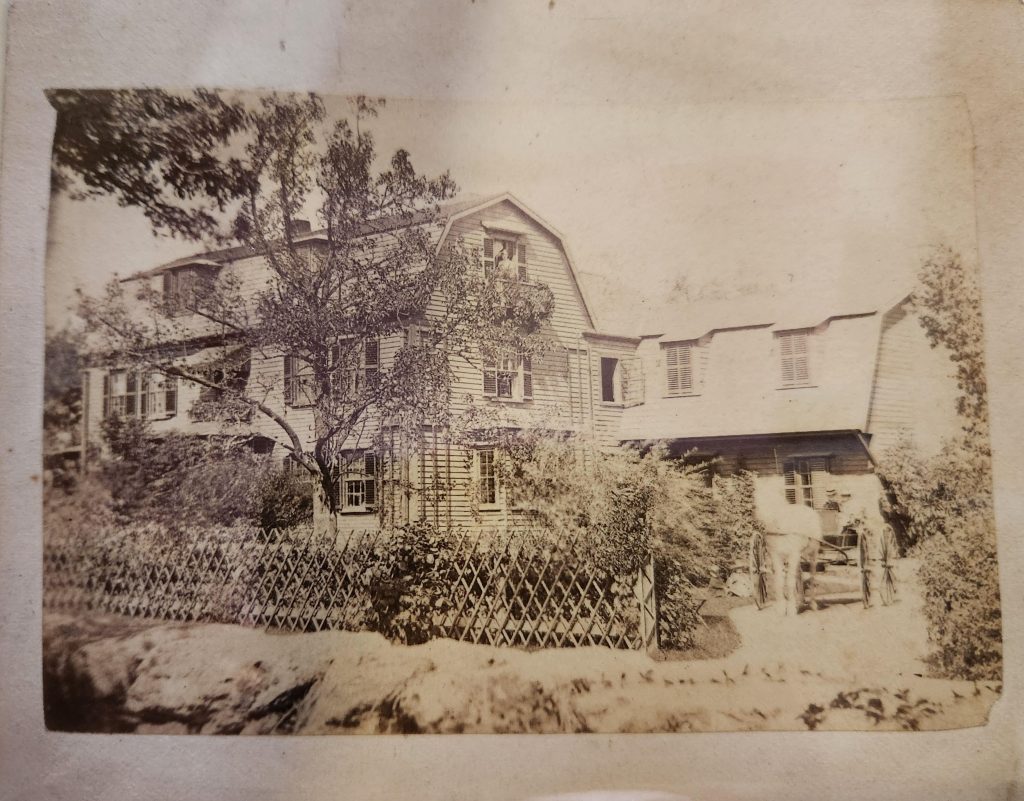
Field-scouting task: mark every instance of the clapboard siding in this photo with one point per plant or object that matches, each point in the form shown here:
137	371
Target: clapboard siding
914	392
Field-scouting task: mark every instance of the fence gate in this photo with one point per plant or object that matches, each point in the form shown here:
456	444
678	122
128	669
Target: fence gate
647	600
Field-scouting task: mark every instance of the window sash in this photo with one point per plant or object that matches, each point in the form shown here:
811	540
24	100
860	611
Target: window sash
357	486
487	476
508	378
805	481
131	393
514	250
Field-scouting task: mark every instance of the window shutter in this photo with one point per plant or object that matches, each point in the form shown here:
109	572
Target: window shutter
169	293
144	409
106	394
336	480
793	355
679	369
131	391
521	252
289	380
371	357
488	256
527	366
490	378
370	482
790	474
818	468
801	374
170	395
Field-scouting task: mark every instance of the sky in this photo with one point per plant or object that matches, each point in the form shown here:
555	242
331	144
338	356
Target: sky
817	197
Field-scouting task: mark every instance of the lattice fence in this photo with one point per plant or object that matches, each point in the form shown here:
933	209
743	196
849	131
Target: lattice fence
522	588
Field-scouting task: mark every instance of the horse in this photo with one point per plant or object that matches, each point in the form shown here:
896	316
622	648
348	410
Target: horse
793	531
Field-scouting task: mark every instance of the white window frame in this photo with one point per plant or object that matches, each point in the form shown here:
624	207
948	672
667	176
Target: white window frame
806	481
518	270
794	348
147	394
357	483
486	474
508	378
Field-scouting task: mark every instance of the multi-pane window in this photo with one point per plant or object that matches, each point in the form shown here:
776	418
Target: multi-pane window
359	483
487	476
298	381
508	377
680	368
129	393
793	358
505	258
807	480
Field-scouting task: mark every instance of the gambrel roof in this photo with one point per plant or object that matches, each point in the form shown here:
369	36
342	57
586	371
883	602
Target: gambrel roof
449	213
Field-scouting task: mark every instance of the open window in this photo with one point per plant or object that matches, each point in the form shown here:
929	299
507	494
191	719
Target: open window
806	481
611	380
357	483
505	258
508	378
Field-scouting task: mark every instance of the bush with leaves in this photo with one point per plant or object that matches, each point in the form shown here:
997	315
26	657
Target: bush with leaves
944	503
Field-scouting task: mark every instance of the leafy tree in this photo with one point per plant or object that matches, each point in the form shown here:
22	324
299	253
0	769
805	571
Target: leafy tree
377	269
945	501
62	387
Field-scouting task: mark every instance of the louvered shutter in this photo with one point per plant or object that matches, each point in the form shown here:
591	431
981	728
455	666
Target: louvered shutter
793	354
790	474
527	367
488	256
132	388
371	358
106	394
144	409
169	293
818	470
335	484
521	253
490	378
289	380
679	369
370	481
170	395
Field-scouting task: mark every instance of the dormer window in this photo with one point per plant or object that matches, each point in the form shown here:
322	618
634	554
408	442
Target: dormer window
183	286
681	368
795	370
505	258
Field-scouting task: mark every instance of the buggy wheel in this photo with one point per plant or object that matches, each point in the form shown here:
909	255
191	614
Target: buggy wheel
759	570
887	553
865	569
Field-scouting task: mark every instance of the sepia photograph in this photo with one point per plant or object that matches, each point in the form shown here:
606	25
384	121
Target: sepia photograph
386	415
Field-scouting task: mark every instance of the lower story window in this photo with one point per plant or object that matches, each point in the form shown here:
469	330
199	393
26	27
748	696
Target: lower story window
359	483
487	476
130	393
806	481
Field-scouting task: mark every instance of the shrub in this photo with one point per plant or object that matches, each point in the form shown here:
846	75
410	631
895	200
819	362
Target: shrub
945	504
285	499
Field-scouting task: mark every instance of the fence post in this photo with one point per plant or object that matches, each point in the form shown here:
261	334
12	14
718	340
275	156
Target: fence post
648	602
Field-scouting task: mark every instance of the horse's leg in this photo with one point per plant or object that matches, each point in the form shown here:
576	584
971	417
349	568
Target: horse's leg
793	574
813	548
777	553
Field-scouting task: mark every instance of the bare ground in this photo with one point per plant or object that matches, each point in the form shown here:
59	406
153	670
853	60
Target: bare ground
844	667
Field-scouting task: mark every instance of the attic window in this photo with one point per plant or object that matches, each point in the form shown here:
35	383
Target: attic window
793	358
505	258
